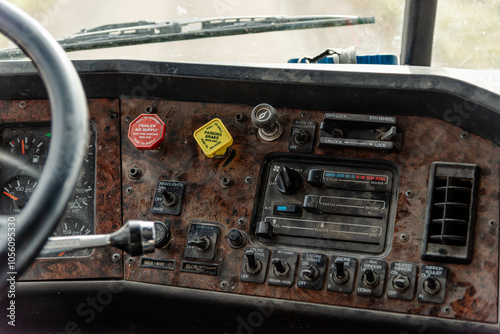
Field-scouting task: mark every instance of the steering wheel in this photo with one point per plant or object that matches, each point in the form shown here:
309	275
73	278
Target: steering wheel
22	236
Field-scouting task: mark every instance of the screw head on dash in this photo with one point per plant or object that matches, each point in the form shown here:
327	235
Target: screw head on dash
213	138
147	132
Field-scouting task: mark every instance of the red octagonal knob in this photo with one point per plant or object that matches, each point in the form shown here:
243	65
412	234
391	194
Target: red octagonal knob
147	132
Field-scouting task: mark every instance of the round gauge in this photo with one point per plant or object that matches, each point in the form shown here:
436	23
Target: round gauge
72	226
16	193
28	149
83	197
30	145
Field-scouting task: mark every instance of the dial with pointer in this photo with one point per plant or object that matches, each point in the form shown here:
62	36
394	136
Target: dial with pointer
15	194
27	148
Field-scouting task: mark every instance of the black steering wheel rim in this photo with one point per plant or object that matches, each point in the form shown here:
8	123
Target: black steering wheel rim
67	149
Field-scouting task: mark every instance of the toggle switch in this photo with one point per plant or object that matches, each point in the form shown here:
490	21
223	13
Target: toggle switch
340	274
310	273
300	137
252	266
202	241
202	244
281	269
401	282
370	278
432	286
169	199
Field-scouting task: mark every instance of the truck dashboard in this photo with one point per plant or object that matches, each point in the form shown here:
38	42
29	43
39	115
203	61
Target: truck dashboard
291	198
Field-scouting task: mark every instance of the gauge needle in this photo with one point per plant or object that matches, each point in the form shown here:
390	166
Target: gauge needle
61	254
22	144
10	195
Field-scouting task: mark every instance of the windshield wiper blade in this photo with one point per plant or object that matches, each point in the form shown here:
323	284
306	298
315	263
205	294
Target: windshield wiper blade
144	32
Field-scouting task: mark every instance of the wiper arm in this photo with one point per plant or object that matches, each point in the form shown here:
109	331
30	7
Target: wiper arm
143	32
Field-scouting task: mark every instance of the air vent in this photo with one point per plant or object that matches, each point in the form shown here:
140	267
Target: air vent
450	213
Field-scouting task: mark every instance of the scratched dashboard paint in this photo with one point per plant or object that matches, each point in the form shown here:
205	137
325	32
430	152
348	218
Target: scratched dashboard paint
108	194
472	290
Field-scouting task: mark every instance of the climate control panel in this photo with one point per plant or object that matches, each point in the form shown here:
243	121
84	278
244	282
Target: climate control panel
328	203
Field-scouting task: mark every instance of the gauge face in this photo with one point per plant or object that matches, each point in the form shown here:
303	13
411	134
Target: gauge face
15	194
28	149
29	145
72	226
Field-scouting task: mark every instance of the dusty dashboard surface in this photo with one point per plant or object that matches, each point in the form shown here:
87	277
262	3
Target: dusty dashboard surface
95	206
334	204
314	215
333	225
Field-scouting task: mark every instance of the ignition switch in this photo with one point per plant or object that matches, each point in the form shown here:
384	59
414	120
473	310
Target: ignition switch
265	118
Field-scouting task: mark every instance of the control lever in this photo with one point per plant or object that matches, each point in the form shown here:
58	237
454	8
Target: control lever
385	136
136	237
264	230
372	132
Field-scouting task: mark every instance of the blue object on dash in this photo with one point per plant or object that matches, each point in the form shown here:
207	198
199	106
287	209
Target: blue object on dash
381	59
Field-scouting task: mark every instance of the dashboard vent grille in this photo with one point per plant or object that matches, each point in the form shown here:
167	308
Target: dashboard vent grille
450	213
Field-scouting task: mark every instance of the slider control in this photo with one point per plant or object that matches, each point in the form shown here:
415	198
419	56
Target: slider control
264	230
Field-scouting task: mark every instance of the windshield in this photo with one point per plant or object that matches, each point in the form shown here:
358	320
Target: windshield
467	33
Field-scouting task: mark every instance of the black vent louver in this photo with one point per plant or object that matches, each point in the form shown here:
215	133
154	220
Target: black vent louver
450	213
